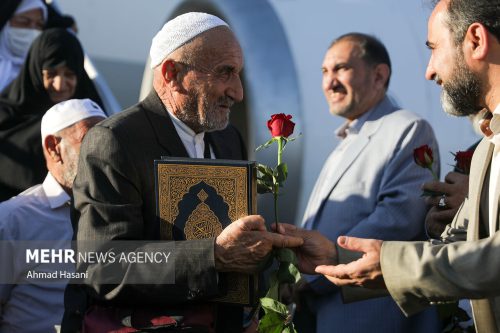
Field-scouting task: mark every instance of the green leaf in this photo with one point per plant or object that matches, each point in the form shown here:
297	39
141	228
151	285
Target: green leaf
273	286
294	138
271	305
281	173
265	171
287	140
286	255
271	323
265	145
288	273
289	329
295	272
263	187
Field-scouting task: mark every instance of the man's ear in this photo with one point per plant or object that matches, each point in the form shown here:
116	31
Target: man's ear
52	145
476	41
169	71
381	72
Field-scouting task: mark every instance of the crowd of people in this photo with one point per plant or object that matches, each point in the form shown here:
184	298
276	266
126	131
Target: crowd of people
367	262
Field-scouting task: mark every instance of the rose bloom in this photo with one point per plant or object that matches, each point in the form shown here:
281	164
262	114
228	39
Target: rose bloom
464	159
280	125
423	156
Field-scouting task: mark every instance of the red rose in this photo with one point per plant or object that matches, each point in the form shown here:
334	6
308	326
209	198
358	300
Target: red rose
280	125
464	159
423	156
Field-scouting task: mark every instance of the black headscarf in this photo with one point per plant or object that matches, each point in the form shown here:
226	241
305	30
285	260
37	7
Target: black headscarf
25	101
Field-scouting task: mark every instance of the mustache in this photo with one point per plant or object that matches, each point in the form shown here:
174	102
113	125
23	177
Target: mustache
226	101
339	87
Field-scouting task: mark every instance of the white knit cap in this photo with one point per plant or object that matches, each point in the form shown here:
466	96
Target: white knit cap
178	32
67	113
26	5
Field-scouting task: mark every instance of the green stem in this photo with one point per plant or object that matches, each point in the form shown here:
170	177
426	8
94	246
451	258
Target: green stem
280	149
275	194
433	174
276	185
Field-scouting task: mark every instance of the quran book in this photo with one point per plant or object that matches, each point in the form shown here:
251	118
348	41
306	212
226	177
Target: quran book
198	198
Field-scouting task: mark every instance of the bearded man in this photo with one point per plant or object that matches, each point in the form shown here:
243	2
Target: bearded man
197	62
464	38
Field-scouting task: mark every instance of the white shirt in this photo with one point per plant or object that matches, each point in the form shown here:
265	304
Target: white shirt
194	143
347	133
42	212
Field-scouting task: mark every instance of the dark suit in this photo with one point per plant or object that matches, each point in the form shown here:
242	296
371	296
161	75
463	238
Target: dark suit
114	199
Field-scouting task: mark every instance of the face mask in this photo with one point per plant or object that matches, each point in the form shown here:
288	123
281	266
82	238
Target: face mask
19	40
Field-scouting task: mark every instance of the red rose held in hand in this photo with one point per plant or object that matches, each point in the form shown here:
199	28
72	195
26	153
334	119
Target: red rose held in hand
281	125
423	156
464	159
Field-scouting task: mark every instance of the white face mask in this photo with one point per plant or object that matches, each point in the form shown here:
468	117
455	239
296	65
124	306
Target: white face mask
19	40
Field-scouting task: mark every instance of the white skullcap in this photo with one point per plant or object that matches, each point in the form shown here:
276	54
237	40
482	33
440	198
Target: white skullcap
67	113
178	32
26	5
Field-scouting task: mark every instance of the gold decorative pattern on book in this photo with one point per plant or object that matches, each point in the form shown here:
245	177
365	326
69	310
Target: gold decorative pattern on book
175	180
202	223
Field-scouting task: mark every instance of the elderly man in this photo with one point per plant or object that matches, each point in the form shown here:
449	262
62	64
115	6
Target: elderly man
464	38
43	213
197	63
370	184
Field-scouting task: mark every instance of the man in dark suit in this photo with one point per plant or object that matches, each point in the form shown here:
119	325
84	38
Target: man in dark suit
197	62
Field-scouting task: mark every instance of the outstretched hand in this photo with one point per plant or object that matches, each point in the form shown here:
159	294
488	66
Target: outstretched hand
243	244
364	272
316	249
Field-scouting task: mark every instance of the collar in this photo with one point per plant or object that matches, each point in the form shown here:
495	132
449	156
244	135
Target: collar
354	126
490	125
185	132
54	192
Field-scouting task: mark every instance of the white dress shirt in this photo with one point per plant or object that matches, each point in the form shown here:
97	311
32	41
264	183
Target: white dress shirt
193	142
347	134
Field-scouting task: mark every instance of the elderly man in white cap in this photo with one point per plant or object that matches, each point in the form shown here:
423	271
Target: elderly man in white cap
42	213
197	63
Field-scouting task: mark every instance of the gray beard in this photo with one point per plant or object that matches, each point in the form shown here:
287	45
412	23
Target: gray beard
212	120
461	95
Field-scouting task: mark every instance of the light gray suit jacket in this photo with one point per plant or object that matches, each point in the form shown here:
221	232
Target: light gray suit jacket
419	273
375	193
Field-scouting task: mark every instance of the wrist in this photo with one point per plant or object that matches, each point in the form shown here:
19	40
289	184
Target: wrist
220	262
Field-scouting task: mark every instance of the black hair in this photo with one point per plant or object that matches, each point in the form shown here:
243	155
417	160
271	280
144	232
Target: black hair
373	52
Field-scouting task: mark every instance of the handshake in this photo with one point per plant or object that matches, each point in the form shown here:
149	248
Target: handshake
245	243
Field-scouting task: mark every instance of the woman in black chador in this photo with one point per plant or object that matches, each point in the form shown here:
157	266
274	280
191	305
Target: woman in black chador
53	72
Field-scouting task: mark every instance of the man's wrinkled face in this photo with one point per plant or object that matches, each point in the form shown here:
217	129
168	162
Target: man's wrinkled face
71	140
461	88
213	84
347	80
